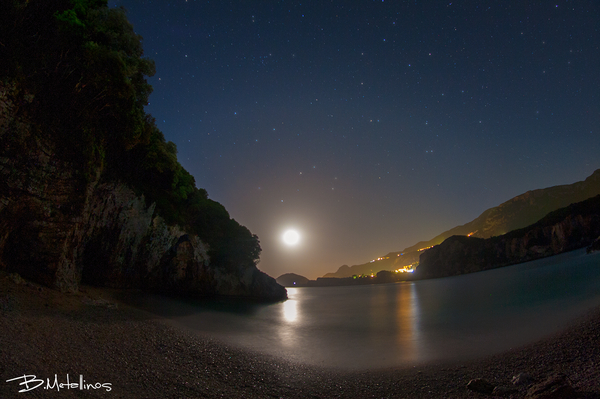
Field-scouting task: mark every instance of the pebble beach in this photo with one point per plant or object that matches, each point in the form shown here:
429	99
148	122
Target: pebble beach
110	350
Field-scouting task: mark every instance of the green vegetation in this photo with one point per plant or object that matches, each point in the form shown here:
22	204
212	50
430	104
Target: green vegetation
77	72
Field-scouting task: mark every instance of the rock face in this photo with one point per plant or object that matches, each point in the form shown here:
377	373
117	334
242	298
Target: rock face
566	229
60	229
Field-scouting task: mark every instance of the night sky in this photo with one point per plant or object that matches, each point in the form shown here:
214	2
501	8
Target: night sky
371	125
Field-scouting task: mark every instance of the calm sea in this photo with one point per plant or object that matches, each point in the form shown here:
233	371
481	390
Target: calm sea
406	323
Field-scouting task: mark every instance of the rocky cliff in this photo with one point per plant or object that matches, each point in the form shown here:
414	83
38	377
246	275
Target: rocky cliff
566	229
62	228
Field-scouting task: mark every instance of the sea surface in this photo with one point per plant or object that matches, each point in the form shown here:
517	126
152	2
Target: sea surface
400	324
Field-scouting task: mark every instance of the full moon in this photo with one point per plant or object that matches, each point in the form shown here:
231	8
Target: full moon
291	237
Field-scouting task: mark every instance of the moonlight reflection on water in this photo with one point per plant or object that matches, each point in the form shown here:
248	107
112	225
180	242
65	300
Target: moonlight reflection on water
385	325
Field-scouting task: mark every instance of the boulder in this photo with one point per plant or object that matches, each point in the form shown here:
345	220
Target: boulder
594	247
556	386
522	379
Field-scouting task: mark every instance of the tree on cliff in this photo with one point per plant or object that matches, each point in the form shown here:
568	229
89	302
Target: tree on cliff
83	64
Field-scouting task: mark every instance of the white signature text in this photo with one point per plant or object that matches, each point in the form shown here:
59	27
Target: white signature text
30	382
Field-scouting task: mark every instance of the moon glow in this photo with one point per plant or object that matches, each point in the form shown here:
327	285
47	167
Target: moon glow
291	237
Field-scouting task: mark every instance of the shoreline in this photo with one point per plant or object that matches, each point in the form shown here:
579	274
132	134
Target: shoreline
89	334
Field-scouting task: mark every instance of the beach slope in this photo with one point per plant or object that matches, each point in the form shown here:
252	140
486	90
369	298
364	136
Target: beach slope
128	353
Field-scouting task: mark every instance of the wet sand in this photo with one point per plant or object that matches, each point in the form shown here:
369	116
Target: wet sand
129	353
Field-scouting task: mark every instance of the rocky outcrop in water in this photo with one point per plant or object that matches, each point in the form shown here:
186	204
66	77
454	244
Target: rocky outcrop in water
61	228
566	229
595	246
291	280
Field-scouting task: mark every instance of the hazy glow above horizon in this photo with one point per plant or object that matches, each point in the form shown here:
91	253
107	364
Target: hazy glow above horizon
308	119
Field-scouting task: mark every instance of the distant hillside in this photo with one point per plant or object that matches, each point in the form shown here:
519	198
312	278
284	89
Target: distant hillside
518	212
572	227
